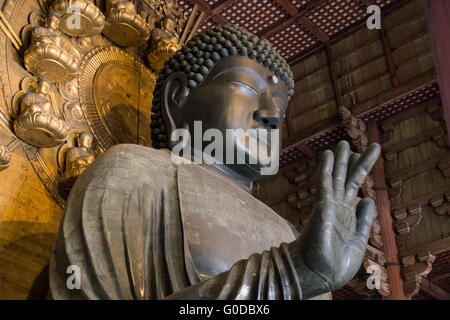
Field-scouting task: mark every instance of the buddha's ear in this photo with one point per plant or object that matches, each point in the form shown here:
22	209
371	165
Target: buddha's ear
174	93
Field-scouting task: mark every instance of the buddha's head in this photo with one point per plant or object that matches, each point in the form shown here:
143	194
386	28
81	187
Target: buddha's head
53	20
226	78
85	140
169	24
44	86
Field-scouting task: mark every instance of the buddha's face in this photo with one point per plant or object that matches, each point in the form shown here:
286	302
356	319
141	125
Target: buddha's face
85	141
53	22
44	87
238	93
168	24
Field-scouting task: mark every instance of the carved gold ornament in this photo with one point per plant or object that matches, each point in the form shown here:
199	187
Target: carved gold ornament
5	157
123	25
76	159
95	86
35	124
50	55
79	18
116	91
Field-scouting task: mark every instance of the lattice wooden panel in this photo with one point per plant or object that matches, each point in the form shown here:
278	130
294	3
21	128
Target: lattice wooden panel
292	40
383	3
207	24
300	3
254	15
290	156
335	15
405	102
328	139
212	2
186	6
284	20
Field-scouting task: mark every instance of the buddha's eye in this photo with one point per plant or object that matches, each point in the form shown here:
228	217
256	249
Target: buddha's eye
244	88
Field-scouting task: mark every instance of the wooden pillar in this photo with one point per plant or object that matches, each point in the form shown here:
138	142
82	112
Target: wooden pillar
384	211
438	13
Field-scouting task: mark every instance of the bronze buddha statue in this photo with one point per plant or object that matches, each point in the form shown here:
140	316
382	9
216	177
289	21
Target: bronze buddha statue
140	226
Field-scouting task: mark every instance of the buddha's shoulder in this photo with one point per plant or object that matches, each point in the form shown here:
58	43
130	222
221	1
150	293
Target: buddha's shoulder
128	163
135	153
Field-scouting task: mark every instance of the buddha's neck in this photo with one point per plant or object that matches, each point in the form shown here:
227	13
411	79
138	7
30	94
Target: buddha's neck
242	181
222	169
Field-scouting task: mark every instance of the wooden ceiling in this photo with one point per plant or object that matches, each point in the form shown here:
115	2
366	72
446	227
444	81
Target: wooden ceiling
386	76
294	27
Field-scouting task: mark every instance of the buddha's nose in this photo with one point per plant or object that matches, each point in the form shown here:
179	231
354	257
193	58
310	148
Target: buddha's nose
268	119
268	115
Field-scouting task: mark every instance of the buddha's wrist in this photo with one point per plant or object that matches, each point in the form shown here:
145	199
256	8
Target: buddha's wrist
310	282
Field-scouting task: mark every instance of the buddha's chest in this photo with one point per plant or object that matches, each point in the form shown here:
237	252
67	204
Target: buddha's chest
222	223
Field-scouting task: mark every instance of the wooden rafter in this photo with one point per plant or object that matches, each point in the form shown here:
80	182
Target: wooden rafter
344	32
212	12
389	58
435	248
303	147
434	290
439	276
361	110
297	16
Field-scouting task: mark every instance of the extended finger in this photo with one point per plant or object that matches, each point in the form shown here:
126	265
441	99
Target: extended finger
340	168
365	213
351	163
324	186
360	171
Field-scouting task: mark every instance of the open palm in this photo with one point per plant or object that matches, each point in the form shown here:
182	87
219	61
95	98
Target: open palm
333	244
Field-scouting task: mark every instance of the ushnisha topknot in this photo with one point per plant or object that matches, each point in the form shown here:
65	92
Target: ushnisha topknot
199	55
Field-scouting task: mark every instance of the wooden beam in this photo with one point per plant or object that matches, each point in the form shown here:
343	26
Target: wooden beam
203	5
434	290
415	140
385	98
410	112
288	7
368	2
317	129
362	109
209	11
305	54
384	214
315	30
438	12
389	58
435	247
289	122
276	27
423	200
334	77
287	21
439	276
303	148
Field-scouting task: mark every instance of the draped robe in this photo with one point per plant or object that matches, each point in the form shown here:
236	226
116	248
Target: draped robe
139	226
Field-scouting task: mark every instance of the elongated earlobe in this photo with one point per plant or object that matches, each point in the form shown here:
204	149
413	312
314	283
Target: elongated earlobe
175	90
